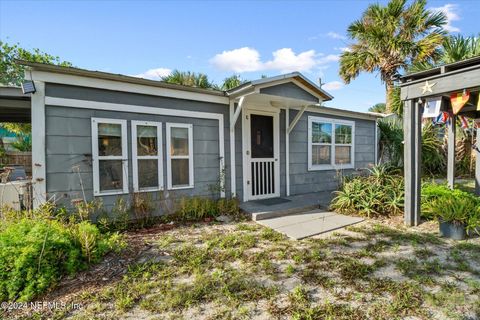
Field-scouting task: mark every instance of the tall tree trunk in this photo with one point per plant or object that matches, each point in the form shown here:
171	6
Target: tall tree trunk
388	99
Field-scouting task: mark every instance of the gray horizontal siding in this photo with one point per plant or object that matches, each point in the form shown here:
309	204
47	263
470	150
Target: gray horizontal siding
304	181
289	90
69	148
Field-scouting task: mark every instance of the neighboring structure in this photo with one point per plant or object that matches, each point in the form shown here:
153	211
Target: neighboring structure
102	135
416	88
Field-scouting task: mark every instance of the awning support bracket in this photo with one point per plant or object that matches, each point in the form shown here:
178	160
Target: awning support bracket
296	119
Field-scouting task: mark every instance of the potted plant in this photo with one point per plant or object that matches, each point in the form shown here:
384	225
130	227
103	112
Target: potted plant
453	214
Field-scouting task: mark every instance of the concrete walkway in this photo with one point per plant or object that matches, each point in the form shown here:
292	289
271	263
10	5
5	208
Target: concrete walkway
300	226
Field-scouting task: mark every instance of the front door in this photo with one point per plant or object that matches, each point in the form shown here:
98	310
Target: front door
262	155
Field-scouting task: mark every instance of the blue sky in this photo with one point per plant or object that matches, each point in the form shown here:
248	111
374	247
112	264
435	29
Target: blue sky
250	38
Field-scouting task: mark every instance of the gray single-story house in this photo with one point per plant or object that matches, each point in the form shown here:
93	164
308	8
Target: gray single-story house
104	135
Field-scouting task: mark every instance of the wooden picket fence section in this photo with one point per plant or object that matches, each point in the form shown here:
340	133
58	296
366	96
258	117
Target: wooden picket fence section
20	158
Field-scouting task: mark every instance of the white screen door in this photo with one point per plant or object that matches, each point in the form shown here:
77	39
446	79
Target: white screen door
262	156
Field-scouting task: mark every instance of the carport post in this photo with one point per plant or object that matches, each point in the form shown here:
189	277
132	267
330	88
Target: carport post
38	146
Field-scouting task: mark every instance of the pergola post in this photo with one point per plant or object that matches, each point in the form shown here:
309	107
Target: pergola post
412	160
477	164
451	131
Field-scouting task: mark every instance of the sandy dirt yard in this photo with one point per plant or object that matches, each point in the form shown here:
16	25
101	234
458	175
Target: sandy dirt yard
240	270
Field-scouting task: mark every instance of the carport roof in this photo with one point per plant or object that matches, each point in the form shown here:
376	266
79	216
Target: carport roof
14	105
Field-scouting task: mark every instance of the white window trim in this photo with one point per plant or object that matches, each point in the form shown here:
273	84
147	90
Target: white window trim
189	126
136	157
332	165
96	158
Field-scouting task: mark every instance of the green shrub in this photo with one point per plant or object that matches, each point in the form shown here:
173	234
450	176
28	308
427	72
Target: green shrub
37	249
456	206
381	193
33	255
198	208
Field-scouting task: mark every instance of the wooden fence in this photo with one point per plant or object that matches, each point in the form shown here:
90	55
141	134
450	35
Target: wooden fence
20	158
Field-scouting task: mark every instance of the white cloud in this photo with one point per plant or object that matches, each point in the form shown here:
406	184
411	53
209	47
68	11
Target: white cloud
343	49
329	58
333	85
238	60
154	74
285	60
451	11
335	35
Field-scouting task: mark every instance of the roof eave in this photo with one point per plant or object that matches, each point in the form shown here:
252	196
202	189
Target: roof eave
114	77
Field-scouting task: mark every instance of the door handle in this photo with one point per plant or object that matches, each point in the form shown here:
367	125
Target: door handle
248	152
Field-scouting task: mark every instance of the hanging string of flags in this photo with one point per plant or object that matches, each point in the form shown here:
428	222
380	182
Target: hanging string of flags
458	100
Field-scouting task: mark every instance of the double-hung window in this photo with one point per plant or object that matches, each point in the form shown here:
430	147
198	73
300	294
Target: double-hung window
330	143
179	155
147	156
110	156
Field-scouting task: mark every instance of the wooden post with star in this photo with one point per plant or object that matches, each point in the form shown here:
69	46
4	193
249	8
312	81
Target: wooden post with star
412	127
458	82
451	141
477	161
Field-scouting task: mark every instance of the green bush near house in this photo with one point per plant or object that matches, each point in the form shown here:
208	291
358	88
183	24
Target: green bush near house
380	193
38	248
199	208
455	206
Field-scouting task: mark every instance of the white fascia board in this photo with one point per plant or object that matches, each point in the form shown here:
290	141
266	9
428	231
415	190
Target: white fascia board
126	87
339	113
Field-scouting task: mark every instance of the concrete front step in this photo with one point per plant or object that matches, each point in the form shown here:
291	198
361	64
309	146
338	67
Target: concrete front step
296	205
281	213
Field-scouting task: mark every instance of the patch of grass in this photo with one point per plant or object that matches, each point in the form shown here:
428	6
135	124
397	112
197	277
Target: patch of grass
229	287
401	236
247	227
312	275
423	271
351	270
423	253
271	235
190	258
232	240
405	298
449	298
290	270
474	286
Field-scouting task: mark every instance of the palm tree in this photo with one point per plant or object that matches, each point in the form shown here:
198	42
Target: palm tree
389	38
191	79
232	82
378	108
454	48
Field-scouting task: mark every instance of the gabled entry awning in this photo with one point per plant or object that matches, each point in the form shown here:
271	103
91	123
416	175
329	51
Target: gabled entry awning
289	85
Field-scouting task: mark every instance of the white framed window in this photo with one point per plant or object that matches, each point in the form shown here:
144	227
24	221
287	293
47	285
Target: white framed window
147	156
179	155
330	143
109	156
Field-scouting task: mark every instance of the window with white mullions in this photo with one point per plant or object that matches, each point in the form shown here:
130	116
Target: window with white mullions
179	155
330	144
147	156
109	156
